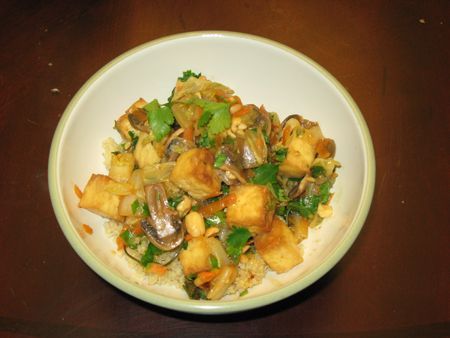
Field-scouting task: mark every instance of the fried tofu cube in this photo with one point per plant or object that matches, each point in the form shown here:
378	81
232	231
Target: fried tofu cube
253	209
278	248
98	198
195	258
144	153
301	153
194	173
122	166
123	125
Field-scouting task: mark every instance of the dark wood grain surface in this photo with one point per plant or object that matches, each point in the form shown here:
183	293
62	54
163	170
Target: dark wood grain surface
392	56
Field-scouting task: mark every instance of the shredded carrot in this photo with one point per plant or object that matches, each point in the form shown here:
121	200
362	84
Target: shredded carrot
120	243
137	230
77	191
87	229
286	133
205	277
187	237
211	208
158	269
241	112
188	134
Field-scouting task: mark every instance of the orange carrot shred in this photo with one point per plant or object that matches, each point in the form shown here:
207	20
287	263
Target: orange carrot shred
77	191
120	243
87	229
188	134
211	208
158	269
242	111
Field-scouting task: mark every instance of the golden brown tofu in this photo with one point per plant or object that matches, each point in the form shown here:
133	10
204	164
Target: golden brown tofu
279	247
253	209
195	258
122	166
299	157
123	125
194	173
98	198
144	153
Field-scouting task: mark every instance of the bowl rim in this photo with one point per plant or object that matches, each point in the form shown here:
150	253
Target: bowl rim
210	307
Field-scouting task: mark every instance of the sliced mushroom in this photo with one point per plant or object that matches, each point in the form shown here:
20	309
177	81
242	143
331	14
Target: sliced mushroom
138	119
163	227
176	147
252	148
229	172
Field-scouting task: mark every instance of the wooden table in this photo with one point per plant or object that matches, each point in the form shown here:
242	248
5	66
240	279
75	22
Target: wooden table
393	58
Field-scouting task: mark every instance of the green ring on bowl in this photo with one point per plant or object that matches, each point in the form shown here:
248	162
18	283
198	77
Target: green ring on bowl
211	307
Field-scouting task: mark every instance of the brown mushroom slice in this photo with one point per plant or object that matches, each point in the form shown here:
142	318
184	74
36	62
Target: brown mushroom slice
176	147
138	119
163	227
252	148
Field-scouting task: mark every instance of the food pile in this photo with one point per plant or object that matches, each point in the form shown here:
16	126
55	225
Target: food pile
212	186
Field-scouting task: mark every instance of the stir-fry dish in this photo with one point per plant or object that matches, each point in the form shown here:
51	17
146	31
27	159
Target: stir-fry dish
216	189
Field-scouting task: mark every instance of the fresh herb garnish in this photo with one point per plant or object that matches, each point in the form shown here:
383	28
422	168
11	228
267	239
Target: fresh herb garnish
216	115
317	171
140	209
187	74
205	141
160	118
280	154
214	262
236	241
266	173
278	191
216	219
129	238
134	139
306	206
219	160
149	255
324	192
174	201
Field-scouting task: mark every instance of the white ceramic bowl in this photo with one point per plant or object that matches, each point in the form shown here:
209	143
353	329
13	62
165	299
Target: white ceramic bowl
261	72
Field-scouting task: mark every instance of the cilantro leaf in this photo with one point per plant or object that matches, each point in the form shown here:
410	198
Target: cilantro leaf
150	254
205	141
129	238
278	191
140	209
324	192
216	115
174	201
214	262
317	171
280	154
187	74
216	219
236	241
134	139
219	160
160	119
266	173
306	206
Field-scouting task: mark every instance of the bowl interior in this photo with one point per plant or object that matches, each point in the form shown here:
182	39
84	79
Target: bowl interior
260	72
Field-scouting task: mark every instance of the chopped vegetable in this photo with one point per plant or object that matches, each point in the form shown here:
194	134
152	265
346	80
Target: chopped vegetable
129	239
306	206
150	254
219	160
87	229
174	201
216	115
160	119
280	154
187	74
140	209
211	208
317	171
214	262
267	173
216	219
236	241
134	139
